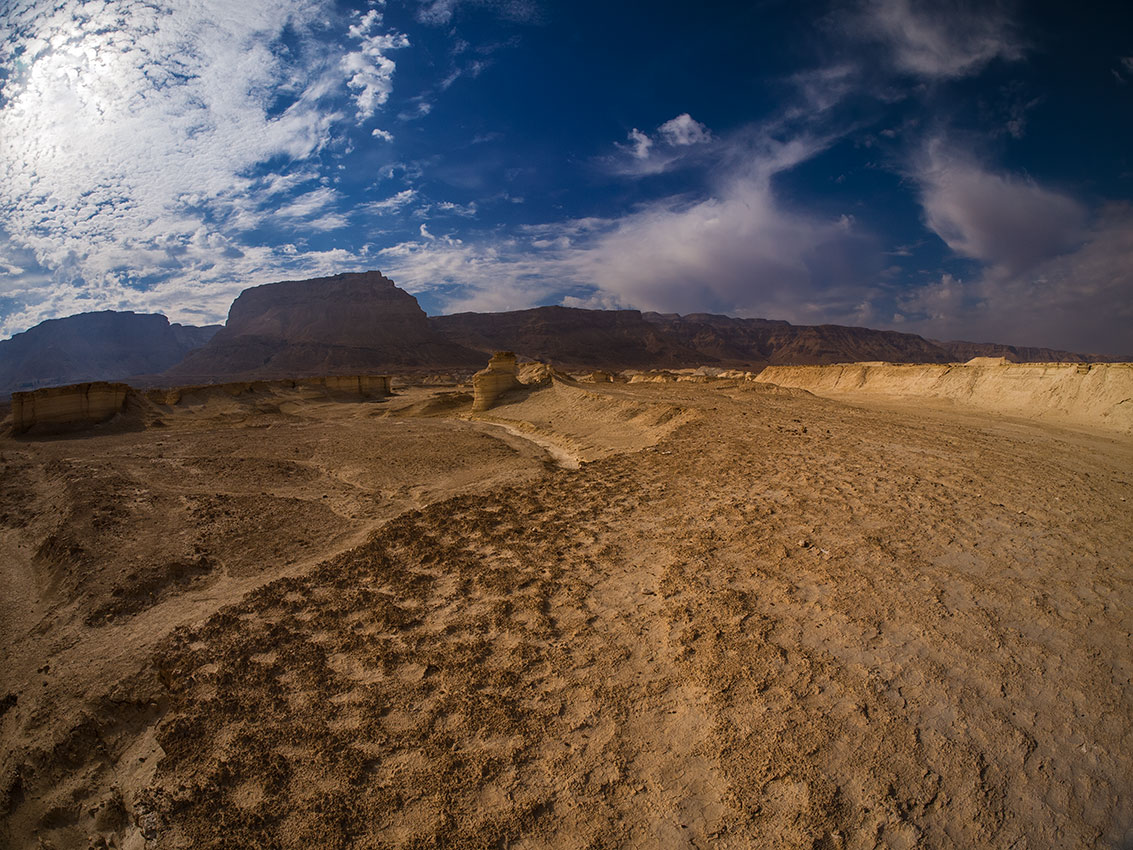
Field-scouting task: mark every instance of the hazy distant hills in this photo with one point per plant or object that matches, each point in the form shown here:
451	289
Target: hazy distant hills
95	347
356	323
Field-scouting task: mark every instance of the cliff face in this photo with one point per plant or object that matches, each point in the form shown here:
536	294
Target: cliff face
57	408
1094	395
352	310
104	346
345	323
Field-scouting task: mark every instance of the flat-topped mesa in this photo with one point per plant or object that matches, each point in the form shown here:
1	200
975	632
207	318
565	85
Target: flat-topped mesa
349	323
63	407
501	375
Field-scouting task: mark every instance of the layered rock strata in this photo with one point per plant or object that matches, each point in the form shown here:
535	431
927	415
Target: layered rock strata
82	405
1097	395
501	375
62	407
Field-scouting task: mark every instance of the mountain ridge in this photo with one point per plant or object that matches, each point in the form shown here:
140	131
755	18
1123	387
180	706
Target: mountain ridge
361	322
105	345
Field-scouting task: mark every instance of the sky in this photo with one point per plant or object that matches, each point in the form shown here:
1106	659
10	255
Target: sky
961	170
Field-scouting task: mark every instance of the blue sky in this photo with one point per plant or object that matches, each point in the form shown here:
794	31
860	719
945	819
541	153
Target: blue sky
959	170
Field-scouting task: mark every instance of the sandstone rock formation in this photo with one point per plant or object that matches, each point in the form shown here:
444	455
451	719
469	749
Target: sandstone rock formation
1097	395
489	384
341	324
104	346
62	407
73	407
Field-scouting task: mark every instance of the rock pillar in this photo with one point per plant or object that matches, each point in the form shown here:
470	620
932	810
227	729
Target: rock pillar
489	384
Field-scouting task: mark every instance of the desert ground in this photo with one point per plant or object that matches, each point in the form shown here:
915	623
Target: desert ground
674	614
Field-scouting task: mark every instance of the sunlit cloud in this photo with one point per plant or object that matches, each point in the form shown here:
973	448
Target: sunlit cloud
138	138
645	153
938	40
1008	221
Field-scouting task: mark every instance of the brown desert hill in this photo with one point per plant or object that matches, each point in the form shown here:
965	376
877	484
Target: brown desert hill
630	339
354	322
572	337
362	322
103	346
777	342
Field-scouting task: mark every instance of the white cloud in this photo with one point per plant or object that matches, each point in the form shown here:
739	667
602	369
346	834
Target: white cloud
1049	276
938	40
132	133
392	203
739	251
468	210
684	130
369	70
639	144
307	204
1003	220
440	12
1080	300
653	154
436	12
384	135
1124	72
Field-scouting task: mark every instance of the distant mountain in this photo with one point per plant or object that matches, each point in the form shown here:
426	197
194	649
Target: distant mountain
762	342
626	339
363	323
962	351
103	346
571	337
346	324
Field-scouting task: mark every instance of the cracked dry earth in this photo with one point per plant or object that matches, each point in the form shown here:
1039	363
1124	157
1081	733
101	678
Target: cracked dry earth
791	623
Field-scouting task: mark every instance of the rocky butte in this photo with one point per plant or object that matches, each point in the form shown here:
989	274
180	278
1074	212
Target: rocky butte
348	323
501	375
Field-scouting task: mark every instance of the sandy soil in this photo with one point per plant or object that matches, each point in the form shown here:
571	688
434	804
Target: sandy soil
750	617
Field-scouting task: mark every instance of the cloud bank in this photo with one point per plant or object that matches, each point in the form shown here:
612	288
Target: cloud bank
144	143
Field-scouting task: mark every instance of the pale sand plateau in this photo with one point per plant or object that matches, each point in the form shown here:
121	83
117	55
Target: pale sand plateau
750	617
